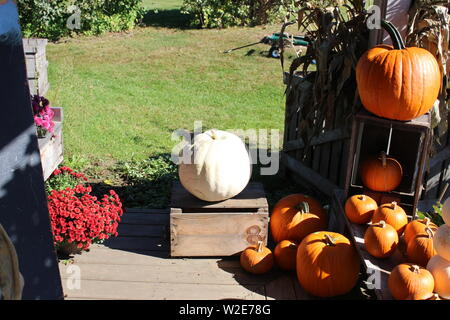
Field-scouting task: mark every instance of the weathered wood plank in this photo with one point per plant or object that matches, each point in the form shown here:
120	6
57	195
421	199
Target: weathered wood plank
169	273
141	230
134	243
440	157
145	218
281	288
51	150
163	291
323	185
252	197
328	136
99	254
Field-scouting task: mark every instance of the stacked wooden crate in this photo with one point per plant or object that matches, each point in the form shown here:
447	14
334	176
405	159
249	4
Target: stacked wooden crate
37	65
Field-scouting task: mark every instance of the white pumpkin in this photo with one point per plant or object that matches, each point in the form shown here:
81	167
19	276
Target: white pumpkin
446	212
441	241
440	269
220	166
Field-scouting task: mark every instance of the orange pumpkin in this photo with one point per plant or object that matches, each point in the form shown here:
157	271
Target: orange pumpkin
327	264
359	208
410	282
392	214
420	249
285	254
296	216
396	82
381	173
381	240
418	226
257	259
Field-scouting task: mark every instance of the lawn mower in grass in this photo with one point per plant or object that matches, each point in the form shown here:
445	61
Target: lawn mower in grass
274	41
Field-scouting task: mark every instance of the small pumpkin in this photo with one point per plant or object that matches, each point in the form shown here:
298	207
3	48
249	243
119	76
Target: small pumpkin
295	216
420	249
408	281
285	254
446	212
440	269
396	82
359	208
441	241
381	240
381	173
392	214
257	259
327	264
418	226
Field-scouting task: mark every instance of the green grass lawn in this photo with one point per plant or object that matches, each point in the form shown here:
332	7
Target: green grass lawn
124	94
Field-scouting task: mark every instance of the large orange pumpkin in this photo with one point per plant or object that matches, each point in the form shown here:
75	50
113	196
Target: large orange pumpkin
398	83
296	216
410	282
359	208
381	173
392	214
285	254
381	240
327	264
418	226
257	259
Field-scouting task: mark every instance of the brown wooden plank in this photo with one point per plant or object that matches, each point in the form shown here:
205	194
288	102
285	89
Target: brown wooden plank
300	293
252	197
100	254
144	218
328	136
162	291
140	230
316	156
281	288
321	184
170	273
51	150
443	155
325	160
138	243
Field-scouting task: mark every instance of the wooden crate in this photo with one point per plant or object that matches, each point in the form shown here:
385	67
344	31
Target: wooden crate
377	271
409	144
37	65
225	228
51	146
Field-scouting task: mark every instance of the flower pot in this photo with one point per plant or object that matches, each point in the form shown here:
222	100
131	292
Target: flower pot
67	249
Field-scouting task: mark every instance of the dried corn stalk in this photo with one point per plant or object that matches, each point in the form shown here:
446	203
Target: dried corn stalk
429	29
338	37
11	281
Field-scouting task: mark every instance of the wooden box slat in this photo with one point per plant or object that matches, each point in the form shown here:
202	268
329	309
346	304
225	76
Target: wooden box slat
252	197
225	228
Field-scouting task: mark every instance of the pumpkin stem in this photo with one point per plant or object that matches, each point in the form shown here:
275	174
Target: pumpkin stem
213	134
415	268
260	246
329	239
429	232
426	221
396	37
383	159
394	205
381	224
362	197
303	207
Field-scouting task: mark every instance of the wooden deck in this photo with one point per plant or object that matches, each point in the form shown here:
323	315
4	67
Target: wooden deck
136	265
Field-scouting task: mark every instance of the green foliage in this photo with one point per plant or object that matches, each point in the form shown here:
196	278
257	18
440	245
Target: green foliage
48	19
226	13
148	181
63	180
435	215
